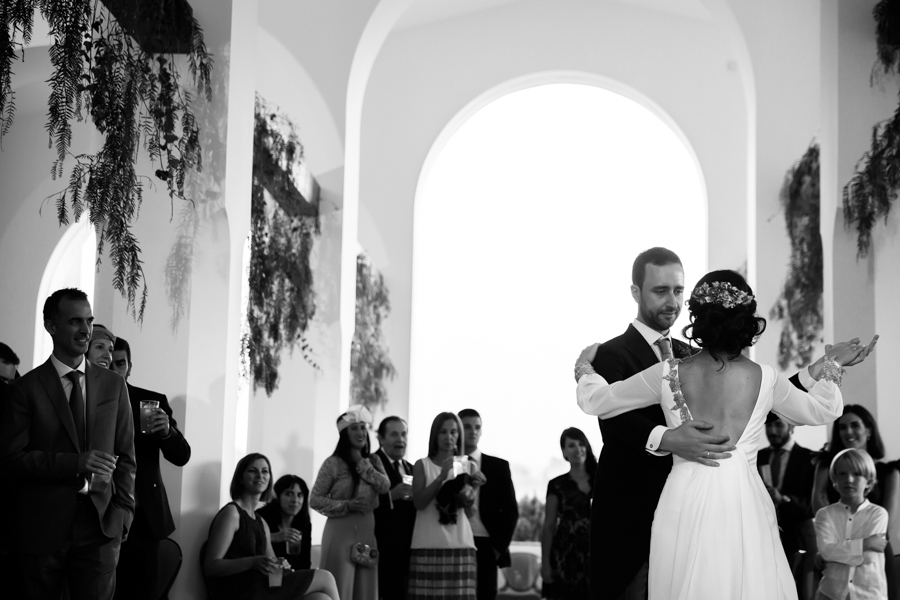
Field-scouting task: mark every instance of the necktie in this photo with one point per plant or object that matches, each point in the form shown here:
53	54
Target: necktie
776	467
665	347
76	405
397	467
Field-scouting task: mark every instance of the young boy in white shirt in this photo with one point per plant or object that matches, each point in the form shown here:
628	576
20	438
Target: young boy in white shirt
850	534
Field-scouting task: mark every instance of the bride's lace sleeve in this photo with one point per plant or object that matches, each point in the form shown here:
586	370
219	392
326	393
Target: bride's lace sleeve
599	398
820	405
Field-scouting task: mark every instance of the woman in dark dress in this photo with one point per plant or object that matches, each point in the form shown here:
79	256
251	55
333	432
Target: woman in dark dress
288	519
857	429
565	543
239	556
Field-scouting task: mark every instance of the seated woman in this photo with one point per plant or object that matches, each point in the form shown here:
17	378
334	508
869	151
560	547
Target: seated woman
239	555
288	519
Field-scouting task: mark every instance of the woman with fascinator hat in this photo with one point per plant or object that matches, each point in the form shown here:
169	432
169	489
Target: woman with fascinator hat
346	491
714	532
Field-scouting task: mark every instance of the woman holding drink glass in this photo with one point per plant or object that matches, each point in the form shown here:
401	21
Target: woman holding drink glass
239	563
442	562
288	519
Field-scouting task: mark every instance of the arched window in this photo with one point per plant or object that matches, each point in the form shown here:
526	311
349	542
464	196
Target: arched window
73	264
527	222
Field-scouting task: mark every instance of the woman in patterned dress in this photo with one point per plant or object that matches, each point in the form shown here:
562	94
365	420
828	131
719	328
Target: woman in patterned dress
346	491
565	543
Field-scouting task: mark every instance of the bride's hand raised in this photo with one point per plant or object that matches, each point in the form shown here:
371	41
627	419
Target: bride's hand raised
851	352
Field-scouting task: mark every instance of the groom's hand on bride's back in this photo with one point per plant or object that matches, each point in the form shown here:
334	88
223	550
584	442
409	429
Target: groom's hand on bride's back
691	442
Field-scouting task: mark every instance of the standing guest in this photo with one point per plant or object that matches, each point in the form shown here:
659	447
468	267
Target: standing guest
239	556
857	429
787	470
496	510
288	519
346	491
442	562
565	541
67	425
138	561
851	533
395	516
9	363
100	348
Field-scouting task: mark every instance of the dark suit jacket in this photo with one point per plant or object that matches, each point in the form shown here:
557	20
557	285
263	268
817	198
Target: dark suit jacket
620	526
394	531
39	452
149	489
796	484
497	505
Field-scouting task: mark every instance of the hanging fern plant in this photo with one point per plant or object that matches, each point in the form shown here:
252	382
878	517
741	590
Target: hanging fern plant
283	224
872	190
800	303
370	364
133	94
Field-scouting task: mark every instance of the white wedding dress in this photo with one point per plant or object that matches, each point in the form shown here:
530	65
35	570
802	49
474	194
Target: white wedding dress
714	531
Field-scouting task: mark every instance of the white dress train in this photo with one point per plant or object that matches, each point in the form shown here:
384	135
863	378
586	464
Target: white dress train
714	531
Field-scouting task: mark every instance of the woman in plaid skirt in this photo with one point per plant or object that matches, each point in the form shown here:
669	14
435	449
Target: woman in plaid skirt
442	563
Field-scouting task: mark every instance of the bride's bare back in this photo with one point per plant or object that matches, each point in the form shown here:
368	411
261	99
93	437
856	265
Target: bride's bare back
722	393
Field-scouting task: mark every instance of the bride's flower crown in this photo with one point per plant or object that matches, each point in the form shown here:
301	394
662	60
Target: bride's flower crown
721	292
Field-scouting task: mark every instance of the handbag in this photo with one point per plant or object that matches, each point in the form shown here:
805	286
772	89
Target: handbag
363	554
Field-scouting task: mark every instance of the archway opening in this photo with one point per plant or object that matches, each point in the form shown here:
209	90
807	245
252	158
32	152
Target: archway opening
526	225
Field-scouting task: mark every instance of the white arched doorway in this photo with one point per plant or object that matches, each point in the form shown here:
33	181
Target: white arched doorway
529	211
73	264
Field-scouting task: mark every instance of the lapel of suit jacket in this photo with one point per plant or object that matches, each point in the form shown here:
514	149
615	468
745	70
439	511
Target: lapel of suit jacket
639	348
49	378
388	464
92	378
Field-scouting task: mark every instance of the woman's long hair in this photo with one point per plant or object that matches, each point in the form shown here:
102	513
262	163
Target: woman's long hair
590	462
301	520
719	329
875	447
344	450
237	480
436	428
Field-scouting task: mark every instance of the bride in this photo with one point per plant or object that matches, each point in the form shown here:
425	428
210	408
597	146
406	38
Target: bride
714	530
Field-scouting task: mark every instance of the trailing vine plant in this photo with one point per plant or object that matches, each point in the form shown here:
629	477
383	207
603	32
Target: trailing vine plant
800	302
282	300
872	189
135	99
370	364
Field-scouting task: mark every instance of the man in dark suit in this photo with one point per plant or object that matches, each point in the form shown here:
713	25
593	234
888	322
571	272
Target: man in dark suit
395	517
153	522
787	470
67	425
496	510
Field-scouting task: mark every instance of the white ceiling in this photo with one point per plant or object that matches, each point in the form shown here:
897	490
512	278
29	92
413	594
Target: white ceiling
424	12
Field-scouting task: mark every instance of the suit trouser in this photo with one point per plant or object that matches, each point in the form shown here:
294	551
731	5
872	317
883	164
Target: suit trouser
87	560
138	567
486	562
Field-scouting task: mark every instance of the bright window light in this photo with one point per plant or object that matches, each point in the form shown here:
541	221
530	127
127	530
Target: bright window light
525	233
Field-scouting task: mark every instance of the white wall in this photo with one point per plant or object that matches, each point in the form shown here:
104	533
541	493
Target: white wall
425	75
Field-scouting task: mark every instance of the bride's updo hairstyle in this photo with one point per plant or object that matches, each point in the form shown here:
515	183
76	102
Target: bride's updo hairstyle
723	314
